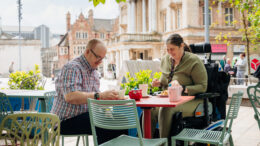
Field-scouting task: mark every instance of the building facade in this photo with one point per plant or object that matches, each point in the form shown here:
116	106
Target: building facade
74	42
144	25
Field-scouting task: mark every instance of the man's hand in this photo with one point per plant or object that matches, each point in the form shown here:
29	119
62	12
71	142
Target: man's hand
109	95
156	83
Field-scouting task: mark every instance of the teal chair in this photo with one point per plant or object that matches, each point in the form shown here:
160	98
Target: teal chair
49	102
252	92
5	106
45	126
118	115
213	137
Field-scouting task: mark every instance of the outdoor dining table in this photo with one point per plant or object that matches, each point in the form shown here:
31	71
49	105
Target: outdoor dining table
28	94
155	101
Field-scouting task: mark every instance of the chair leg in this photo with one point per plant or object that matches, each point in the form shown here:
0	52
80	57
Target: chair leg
78	138
186	143
231	141
173	142
62	140
83	139
86	140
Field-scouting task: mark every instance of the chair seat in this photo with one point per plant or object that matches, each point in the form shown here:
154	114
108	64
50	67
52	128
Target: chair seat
196	135
125	140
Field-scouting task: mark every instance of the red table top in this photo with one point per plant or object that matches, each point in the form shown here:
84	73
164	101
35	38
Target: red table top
156	101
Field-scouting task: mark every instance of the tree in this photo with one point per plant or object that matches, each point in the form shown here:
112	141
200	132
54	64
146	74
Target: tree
250	20
96	2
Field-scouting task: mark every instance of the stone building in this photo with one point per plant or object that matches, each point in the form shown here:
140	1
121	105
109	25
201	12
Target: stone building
144	25
74	42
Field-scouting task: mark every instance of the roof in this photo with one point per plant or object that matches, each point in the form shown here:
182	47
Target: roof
4	35
64	41
16	28
106	24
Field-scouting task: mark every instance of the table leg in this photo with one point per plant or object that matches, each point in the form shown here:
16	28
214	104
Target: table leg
147	123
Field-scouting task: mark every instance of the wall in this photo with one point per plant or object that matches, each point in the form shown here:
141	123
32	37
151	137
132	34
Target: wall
30	52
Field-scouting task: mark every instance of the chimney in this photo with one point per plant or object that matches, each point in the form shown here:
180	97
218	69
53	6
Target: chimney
90	17
68	21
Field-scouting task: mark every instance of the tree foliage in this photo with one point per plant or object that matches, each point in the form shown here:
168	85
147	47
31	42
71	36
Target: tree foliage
97	2
250	22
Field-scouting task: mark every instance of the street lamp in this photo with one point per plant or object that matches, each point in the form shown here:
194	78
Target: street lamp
19	20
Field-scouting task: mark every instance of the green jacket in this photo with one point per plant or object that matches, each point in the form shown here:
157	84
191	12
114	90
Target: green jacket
190	72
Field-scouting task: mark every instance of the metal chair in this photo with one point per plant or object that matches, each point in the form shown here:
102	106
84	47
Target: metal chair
49	102
213	137
5	107
118	115
31	129
253	93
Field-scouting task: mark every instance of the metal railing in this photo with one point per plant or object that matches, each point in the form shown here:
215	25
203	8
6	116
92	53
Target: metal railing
134	38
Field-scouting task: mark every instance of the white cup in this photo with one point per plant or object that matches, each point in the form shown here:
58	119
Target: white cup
144	88
121	94
174	93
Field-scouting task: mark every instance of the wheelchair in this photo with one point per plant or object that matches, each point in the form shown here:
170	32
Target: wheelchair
213	108
212	111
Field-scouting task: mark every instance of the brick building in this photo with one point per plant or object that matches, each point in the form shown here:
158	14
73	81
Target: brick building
77	35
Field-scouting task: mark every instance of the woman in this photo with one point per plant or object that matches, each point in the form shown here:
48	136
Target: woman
241	68
179	68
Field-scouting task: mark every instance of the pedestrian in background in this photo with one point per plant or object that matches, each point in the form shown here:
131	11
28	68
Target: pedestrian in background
227	67
223	62
241	69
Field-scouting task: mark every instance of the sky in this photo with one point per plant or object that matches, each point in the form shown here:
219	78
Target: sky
52	13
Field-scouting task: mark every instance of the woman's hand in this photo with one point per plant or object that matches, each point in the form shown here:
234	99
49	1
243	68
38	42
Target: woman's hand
109	95
156	83
175	83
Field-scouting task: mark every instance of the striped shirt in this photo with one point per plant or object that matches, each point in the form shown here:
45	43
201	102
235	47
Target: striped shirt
76	75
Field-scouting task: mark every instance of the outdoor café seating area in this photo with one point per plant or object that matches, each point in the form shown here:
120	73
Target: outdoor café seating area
38	126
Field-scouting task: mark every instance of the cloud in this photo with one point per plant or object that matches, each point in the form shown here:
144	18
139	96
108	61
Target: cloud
53	13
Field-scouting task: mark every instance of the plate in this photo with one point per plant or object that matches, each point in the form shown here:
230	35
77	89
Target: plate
162	95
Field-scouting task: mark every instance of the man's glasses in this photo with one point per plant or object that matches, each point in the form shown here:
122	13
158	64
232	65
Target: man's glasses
99	58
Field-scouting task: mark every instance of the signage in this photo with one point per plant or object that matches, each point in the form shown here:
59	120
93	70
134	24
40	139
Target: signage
239	48
254	63
219	48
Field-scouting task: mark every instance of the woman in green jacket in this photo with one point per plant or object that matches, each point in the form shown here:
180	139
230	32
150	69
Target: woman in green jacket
179	68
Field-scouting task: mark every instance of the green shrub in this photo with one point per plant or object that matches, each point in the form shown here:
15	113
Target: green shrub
141	77
23	80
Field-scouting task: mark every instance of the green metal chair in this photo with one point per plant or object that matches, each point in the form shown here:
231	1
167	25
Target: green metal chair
4	106
213	137
44	126
49	102
118	115
255	100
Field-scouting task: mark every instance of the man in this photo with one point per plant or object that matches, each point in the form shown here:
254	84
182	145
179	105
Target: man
241	68
78	81
223	62
227	67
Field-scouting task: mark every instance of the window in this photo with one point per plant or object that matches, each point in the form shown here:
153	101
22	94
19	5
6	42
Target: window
102	35
77	35
74	50
178	18
65	51
203	10
229	16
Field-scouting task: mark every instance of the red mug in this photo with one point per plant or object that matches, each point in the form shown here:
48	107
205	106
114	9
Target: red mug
135	94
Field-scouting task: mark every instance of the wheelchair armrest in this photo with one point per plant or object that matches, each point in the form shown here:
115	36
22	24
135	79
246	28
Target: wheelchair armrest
206	95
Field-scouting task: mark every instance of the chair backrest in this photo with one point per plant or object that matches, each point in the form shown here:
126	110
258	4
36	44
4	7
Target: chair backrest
5	106
113	114
253	93
31	129
49	97
232	112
